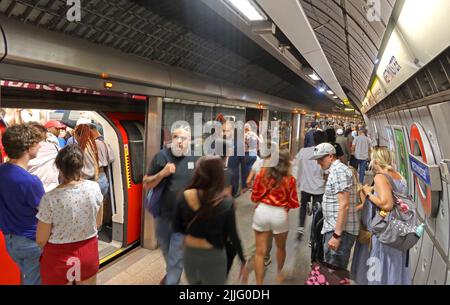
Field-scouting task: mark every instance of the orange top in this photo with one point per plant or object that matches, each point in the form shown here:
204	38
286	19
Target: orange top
285	195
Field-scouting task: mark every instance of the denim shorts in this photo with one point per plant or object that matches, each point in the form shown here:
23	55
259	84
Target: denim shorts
341	257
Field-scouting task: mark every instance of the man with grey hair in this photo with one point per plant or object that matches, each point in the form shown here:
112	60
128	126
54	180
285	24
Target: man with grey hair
341	222
177	166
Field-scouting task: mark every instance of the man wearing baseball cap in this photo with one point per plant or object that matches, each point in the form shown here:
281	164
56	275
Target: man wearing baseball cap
341	224
342	141
55	127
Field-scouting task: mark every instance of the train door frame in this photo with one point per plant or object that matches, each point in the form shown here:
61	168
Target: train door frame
152	145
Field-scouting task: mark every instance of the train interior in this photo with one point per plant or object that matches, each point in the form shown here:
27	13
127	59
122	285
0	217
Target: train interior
122	131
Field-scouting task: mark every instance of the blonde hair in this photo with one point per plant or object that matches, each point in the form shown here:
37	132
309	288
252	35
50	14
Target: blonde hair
382	156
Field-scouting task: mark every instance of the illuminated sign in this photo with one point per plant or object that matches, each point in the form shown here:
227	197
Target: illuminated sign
391	70
427	175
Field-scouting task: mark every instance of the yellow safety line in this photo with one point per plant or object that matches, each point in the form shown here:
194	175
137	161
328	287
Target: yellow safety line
111	255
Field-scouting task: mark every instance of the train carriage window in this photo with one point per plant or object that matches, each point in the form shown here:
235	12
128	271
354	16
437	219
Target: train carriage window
136	147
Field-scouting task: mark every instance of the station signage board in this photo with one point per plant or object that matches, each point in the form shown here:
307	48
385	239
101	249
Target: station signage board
427	175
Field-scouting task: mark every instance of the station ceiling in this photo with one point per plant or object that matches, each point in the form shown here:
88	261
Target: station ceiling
350	33
181	33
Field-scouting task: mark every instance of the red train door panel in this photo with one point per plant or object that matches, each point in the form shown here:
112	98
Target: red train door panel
133	200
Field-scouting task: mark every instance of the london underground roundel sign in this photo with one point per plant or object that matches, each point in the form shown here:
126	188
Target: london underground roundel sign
426	173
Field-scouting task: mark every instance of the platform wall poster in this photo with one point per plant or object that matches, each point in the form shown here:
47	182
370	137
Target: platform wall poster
402	151
391	144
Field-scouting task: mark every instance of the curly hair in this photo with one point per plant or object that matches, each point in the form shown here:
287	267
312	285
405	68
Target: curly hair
17	139
70	161
40	128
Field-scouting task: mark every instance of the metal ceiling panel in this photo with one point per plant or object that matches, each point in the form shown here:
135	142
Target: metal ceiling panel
351	30
375	31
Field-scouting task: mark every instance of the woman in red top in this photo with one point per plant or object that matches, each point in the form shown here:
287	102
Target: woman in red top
275	192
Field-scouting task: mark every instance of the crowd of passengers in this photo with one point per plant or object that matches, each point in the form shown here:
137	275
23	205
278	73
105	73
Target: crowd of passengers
52	194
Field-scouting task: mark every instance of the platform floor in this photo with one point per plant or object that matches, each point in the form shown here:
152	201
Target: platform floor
147	267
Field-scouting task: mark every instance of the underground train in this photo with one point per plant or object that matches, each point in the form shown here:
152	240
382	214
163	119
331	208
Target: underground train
133	101
146	97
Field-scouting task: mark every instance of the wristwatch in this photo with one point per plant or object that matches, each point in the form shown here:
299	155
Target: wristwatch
336	236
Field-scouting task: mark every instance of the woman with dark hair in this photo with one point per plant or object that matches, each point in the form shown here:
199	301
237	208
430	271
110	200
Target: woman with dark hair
205	214
68	220
275	192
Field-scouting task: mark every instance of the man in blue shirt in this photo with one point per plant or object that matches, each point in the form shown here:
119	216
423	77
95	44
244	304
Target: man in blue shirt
20	194
309	136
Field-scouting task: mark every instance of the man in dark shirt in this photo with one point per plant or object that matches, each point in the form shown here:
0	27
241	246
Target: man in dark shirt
178	169
236	162
309	136
20	194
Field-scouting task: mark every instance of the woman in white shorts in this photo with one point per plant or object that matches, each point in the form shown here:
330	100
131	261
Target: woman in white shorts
275	192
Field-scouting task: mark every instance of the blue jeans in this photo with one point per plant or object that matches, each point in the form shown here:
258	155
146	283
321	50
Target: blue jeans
233	164
26	254
249	161
104	184
362	164
171	244
341	257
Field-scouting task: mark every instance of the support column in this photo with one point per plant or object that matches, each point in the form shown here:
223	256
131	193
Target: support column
152	145
302	130
295	134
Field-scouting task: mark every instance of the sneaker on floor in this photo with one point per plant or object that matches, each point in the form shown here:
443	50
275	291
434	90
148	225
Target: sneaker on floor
267	261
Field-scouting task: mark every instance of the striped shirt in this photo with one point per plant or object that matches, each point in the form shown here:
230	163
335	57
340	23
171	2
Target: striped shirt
339	180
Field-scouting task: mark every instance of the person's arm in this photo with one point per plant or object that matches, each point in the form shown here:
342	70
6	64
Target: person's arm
293	196
250	177
158	172
43	233
383	199
258	189
344	203
45	220
99	218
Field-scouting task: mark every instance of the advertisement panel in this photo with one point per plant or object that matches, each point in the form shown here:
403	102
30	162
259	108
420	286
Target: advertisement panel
402	152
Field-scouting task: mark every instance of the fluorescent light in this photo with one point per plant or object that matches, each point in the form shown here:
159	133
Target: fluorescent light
248	9
322	89
330	92
314	76
335	97
349	109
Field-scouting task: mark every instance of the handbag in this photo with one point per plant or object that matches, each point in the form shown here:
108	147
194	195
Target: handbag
153	201
398	228
322	274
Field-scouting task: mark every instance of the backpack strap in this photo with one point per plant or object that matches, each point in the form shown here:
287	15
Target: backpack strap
391	182
167	156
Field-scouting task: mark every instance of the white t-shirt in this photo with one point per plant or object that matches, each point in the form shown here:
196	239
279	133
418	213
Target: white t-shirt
44	166
72	211
256	167
309	173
